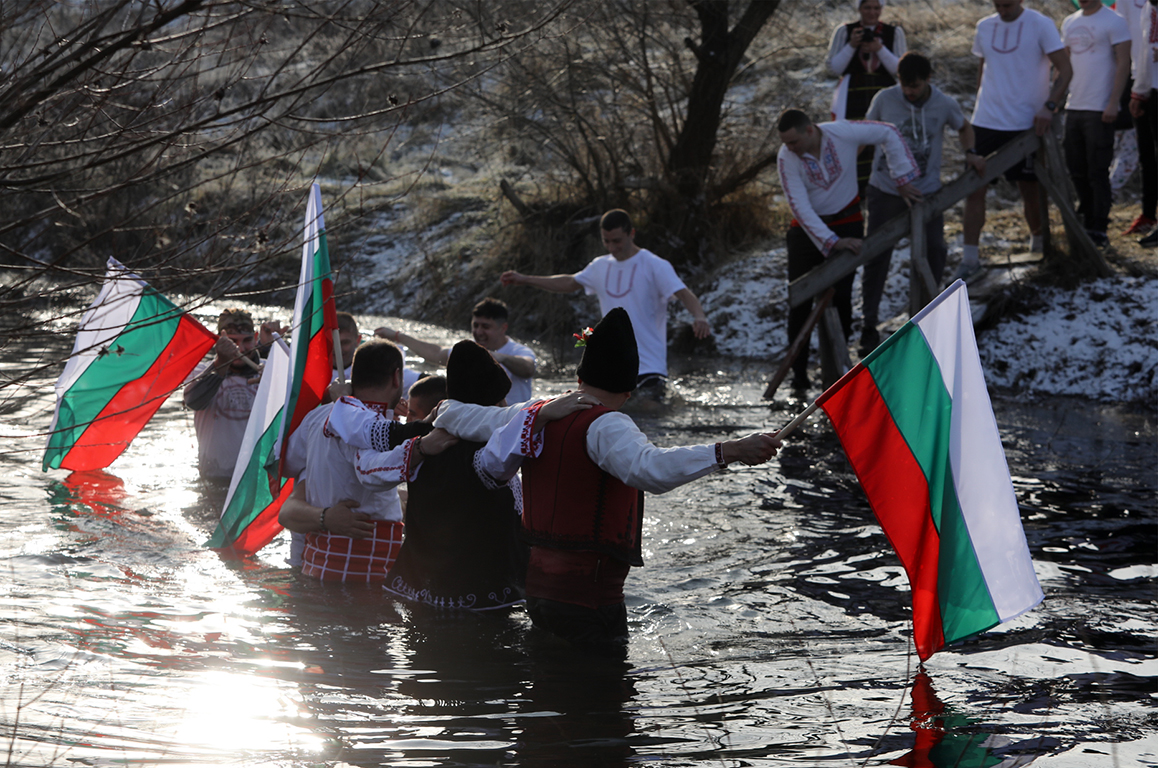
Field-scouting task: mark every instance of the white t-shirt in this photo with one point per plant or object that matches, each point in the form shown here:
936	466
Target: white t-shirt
642	285
520	386
1091	40
1015	80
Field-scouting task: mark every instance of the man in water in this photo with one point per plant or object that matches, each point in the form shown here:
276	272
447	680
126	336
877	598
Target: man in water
637	280
584	474
488	327
359	545
221	392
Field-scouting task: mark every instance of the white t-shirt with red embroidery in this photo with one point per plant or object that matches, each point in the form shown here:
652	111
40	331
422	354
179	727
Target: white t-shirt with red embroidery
642	285
1015	79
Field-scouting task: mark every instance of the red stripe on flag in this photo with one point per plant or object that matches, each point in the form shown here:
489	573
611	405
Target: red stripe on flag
134	404
896	486
264	527
318	373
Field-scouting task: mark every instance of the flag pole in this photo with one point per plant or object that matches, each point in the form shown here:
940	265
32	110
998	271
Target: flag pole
339	363
791	426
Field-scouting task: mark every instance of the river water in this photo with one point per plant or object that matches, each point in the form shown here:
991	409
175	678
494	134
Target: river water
769	627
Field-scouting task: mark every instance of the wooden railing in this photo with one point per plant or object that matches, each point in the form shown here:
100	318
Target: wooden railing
1083	255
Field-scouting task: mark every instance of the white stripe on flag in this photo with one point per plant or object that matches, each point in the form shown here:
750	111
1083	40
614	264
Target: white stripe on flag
980	472
269	402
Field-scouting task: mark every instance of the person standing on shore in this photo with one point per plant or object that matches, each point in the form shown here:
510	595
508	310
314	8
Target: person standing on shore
1017	46
920	111
864	54
817	167
1098	43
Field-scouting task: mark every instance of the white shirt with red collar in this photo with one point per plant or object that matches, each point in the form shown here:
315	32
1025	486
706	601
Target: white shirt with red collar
826	184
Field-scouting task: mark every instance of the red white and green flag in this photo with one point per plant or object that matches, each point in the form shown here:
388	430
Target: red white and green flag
249	520
917	425
134	348
314	324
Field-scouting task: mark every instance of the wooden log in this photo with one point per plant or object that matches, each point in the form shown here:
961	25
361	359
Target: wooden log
844	263
834	359
1056	183
922	285
797	344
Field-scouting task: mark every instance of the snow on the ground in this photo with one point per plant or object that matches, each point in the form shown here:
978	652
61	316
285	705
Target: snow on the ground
1099	340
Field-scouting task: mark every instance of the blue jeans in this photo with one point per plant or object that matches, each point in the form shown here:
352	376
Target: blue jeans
1089	149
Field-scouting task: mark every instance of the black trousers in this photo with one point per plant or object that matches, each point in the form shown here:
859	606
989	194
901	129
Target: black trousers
803	256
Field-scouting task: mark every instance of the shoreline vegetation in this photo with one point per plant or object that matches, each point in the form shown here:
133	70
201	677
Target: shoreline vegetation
450	145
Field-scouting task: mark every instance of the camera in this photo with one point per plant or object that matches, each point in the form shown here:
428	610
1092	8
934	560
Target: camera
867	34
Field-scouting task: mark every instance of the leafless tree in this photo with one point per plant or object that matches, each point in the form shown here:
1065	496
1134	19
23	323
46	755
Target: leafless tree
631	105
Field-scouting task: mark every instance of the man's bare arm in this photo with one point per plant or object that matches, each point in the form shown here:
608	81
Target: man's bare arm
552	283
300	516
700	326
523	367
1121	75
431	353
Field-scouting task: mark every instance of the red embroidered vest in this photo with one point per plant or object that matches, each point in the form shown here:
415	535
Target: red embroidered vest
570	503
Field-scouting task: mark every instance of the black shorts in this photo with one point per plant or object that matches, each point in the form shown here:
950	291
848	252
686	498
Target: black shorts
988	140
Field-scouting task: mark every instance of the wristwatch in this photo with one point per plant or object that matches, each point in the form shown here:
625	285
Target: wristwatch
972	151
1051	106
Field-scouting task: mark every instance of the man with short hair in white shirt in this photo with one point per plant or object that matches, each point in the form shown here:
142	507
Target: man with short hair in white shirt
488	327
1098	41
637	280
817	167
1017	46
1144	96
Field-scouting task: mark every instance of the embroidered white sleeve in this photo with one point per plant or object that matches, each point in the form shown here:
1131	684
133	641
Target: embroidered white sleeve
620	449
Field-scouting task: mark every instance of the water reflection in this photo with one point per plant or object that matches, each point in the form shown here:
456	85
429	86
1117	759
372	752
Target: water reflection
770	625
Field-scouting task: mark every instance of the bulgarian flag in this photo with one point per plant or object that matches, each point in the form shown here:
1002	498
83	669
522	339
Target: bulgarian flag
133	349
915	420
249	519
315	324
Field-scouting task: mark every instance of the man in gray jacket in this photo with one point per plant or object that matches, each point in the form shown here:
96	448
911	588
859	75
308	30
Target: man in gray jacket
920	111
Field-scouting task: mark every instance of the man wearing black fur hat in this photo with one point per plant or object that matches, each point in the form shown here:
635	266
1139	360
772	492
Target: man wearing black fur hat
585	466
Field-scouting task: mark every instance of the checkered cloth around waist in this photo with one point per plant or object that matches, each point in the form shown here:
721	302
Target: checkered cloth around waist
330	557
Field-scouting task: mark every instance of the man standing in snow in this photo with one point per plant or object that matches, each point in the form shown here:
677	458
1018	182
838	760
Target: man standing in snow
1144	96
1098	42
817	165
920	111
637	280
1016	46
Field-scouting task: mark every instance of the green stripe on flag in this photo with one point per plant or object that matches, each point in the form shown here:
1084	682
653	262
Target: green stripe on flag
129	356
252	494
910	382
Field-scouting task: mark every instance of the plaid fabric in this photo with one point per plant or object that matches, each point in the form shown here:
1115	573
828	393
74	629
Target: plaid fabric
339	558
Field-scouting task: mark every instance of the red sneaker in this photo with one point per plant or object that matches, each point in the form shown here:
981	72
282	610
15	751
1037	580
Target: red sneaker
1141	226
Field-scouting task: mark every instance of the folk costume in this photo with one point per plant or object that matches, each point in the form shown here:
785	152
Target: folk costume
463	548
583	478
862	76
334	470
822	193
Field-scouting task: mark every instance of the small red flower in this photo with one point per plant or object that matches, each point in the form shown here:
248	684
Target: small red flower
583	336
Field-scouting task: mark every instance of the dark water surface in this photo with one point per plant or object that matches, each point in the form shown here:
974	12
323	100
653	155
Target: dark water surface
769	627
